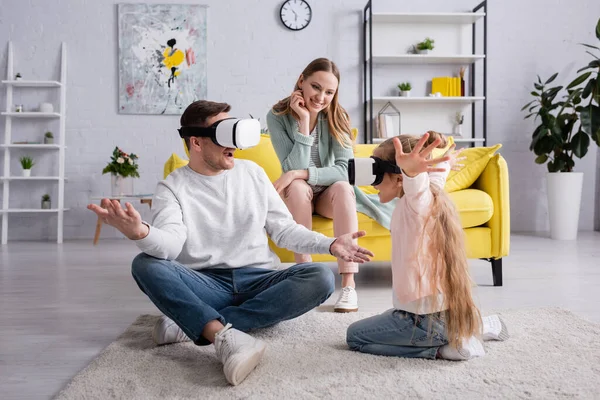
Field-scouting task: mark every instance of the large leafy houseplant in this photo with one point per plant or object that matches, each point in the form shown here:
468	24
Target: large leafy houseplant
566	124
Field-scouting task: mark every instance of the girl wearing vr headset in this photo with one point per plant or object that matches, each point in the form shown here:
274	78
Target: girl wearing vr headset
434	315
310	132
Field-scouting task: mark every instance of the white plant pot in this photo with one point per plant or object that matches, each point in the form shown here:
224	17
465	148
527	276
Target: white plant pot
120	186
426	51
564	203
27	172
405	93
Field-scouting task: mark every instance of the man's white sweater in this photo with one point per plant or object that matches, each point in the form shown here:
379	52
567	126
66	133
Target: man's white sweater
222	221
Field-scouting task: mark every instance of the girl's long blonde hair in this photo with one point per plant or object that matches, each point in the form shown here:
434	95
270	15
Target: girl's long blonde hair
449	271
337	118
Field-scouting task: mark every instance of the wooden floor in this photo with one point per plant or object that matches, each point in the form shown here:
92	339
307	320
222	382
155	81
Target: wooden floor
60	305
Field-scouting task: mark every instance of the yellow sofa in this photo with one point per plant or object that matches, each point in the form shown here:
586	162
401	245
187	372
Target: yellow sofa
482	200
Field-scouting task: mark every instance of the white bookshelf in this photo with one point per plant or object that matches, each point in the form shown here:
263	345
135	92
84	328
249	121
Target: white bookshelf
31	114
58	150
428	18
465	100
389	59
418	59
32	84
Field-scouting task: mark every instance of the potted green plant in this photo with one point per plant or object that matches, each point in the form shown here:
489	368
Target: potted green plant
123	168
46	203
566	125
425	46
18	76
26	163
48	138
405	89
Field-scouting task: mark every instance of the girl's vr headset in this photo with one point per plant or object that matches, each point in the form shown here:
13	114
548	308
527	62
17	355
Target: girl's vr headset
229	132
369	171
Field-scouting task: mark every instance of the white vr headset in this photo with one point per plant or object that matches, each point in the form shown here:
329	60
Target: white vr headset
229	132
369	171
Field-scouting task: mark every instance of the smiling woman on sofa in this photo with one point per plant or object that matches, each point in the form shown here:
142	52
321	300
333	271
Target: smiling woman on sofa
310	132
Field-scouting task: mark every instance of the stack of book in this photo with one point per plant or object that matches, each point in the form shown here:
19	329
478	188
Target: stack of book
448	86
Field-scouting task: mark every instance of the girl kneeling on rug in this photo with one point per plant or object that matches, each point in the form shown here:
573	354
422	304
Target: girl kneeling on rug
434	315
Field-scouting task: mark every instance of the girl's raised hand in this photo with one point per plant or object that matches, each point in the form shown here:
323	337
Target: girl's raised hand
419	159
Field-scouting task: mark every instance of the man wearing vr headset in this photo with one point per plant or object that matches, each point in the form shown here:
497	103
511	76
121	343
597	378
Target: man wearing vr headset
206	263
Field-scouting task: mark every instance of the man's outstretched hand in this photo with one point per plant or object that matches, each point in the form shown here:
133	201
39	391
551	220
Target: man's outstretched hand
345	249
128	221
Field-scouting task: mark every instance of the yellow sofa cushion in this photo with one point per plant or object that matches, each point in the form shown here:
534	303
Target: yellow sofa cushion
477	159
264	155
475	207
173	163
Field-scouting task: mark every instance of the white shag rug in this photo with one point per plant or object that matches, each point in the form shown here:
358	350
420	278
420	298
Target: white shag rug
552	353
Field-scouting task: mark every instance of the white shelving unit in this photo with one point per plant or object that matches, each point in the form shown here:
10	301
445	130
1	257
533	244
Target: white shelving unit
387	41
10	115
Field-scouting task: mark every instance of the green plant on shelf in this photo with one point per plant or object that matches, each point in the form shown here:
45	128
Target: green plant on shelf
49	135
405	86
26	162
426	44
46	197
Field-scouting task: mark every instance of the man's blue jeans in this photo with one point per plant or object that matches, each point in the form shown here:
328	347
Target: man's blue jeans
399	333
248	298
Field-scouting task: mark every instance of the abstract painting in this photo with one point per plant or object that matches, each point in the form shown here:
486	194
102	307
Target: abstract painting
162	57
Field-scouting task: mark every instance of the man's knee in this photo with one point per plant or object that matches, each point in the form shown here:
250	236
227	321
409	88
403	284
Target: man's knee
323	280
143	266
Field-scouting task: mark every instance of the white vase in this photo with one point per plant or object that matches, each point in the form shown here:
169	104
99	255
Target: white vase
27	172
405	93
120	186
564	203
425	51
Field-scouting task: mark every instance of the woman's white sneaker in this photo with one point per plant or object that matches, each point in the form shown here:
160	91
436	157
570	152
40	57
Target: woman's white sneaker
239	353
166	331
347	302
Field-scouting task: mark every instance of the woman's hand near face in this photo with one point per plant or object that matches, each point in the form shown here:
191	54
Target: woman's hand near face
299	106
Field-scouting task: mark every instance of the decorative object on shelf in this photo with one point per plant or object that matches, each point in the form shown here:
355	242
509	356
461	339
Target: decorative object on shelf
425	46
19	108
459	119
48	138
554	143
387	120
18	76
405	88
123	168
26	163
46	203
46	107
295	14
461	74
167	45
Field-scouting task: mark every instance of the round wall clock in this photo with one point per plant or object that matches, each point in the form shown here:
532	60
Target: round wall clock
295	14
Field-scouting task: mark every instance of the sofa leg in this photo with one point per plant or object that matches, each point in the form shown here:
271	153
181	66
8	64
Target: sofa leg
497	271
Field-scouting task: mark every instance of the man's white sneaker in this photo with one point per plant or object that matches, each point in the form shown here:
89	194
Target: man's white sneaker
469	348
494	328
166	331
239	352
347	302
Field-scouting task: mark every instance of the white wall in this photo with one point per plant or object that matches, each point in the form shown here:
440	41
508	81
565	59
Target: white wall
253	62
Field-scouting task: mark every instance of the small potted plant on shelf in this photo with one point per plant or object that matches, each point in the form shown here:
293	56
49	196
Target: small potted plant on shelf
48	138
46	203
460	118
26	163
18	76
425	46
405	88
